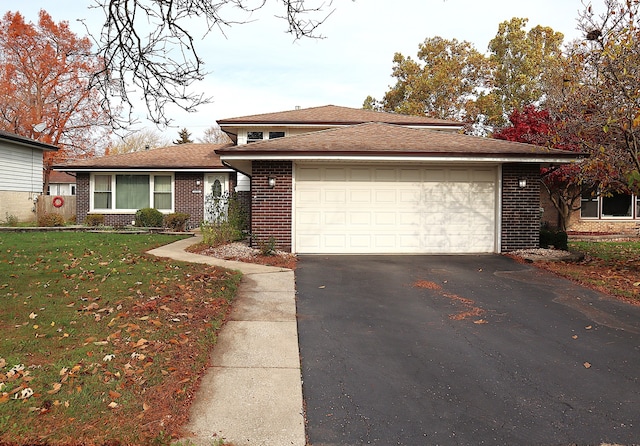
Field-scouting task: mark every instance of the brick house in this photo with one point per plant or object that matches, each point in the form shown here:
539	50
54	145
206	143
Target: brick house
340	180
177	178
617	213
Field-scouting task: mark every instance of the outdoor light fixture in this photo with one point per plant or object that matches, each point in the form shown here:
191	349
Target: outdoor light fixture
272	182
198	182
522	183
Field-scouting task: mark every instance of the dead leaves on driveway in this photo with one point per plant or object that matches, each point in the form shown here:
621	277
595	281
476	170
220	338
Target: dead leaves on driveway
467	308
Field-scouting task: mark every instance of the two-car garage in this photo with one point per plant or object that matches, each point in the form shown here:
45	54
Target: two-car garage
363	208
352	181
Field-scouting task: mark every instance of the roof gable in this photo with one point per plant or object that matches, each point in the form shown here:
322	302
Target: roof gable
334	115
177	157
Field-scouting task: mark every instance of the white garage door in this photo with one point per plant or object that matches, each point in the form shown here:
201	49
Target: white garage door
369	209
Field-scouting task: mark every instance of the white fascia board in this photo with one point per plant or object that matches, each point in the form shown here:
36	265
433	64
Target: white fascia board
435	159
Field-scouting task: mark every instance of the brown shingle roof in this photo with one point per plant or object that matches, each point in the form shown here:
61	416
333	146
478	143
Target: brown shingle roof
61	177
387	140
335	115
181	156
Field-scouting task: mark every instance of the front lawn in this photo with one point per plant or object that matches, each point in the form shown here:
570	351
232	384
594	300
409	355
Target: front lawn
609	267
99	342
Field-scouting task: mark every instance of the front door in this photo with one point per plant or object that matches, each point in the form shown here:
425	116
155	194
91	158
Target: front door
216	196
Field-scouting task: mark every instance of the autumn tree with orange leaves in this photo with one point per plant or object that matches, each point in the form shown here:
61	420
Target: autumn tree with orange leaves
45	77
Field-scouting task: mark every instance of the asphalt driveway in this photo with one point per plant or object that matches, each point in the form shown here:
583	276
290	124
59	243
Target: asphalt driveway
426	350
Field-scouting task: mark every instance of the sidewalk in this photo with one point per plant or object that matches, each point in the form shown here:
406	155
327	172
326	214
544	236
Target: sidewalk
252	394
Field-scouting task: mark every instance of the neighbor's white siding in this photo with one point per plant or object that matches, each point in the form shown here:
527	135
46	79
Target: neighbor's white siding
20	169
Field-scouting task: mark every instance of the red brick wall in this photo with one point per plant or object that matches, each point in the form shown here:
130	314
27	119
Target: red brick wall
82	196
520	207
272	208
186	200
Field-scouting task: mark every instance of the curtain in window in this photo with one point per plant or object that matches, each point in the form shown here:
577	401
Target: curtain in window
162	192
102	192
132	191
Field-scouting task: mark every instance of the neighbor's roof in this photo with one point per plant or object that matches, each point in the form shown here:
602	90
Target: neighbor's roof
61	177
178	157
335	115
381	139
22	140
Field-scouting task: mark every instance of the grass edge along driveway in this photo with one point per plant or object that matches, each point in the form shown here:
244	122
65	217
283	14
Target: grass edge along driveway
101	343
611	267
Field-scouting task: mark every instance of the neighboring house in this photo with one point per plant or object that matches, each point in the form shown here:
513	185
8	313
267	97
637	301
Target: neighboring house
21	168
339	180
618	213
61	183
171	179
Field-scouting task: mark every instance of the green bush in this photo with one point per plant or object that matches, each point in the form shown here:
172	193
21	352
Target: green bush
556	239
268	248
214	234
50	220
94	220
149	218
176	221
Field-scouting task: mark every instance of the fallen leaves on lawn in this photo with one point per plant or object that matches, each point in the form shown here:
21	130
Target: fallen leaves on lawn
142	359
617	275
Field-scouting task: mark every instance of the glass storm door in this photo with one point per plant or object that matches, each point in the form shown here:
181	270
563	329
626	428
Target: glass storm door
216	197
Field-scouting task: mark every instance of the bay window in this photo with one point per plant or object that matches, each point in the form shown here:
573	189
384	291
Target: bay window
130	192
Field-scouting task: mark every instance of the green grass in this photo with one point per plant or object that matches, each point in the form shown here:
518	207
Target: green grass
68	301
609	251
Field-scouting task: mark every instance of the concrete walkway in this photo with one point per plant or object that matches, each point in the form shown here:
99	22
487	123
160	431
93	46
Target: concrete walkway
252	394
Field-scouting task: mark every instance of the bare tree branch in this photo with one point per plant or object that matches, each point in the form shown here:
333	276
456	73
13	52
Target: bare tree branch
149	46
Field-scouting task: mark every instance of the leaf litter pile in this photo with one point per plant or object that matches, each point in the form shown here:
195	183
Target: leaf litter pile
100	343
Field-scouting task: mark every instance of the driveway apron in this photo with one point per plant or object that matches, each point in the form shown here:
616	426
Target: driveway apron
413	350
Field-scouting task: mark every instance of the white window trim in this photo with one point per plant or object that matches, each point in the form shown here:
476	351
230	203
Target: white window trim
113	210
243	134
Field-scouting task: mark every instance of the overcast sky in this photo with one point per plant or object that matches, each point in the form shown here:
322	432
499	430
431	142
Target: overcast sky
258	68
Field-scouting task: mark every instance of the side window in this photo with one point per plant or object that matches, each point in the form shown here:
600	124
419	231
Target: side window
274	135
589	205
254	136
